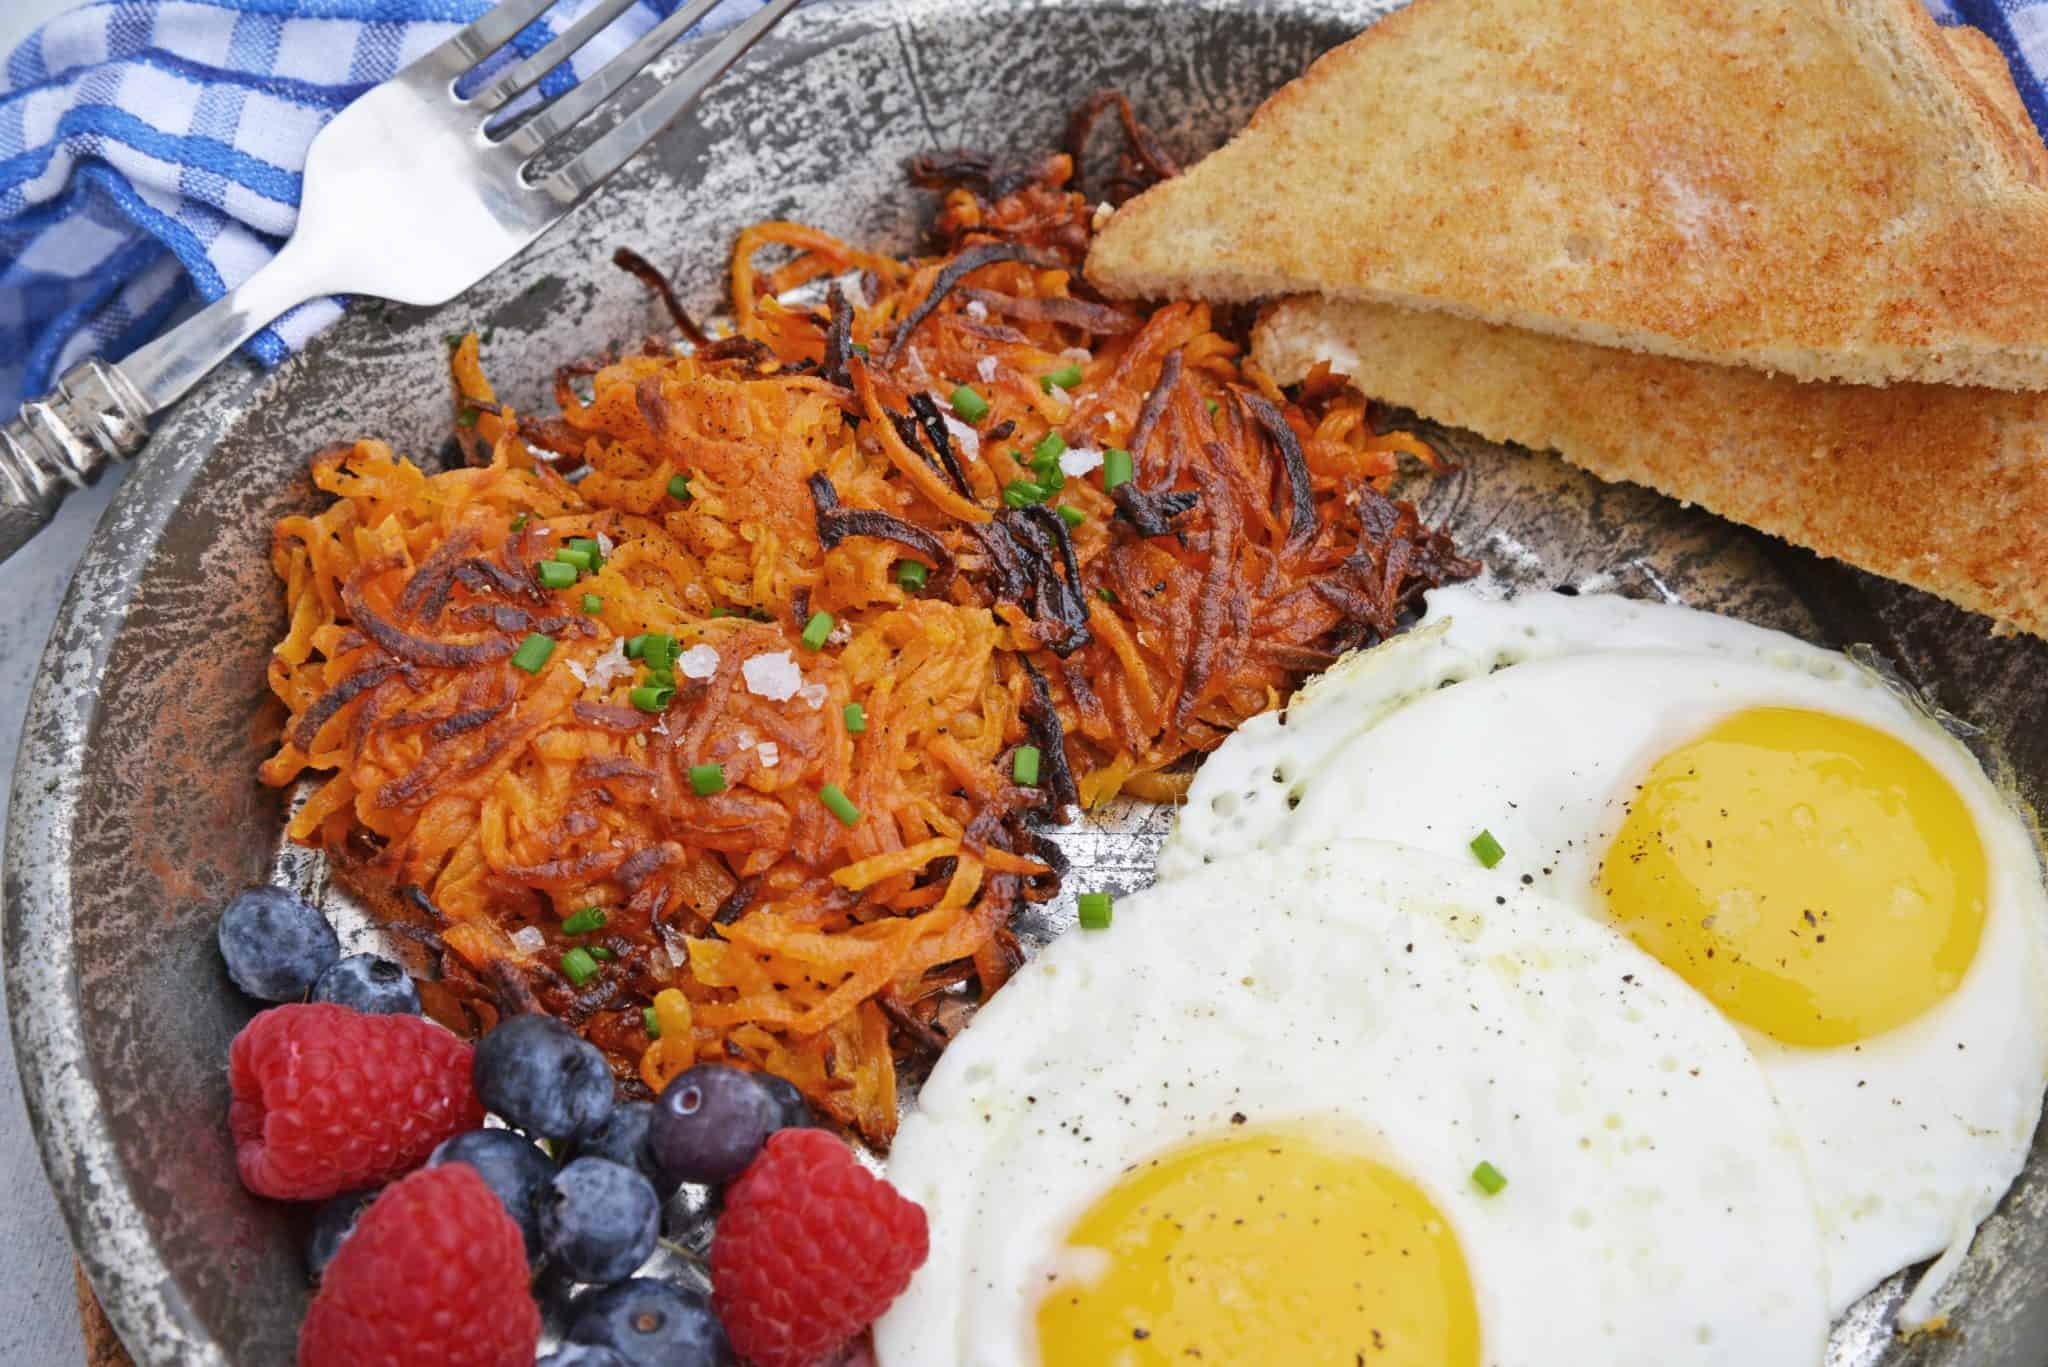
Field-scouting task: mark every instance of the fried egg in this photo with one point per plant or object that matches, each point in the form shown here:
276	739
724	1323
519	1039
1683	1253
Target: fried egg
1357	1106
1808	849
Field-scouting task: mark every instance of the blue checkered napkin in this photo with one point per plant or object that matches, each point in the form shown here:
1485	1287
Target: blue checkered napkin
153	148
150	149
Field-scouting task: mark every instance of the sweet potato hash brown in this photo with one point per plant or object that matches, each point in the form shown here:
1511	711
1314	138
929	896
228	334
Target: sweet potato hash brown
718	713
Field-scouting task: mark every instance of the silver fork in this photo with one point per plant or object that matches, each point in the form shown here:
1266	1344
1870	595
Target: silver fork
449	200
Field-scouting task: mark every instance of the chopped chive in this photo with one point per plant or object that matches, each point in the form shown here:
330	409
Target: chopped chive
1095	907
817	630
860	349
584	543
839	804
1487	849
1022	493
1107	595
519	522
1050	447
584	921
592	605
1488	1179
1071	515
1213	406
911	574
1064	378
466	418
662	678
579	966
856	718
533	652
1116	468
579	559
1024	768
1020	457
1047	475
555	575
659	651
600	952
969	405
717	613
706	779
679	488
635	646
651	1021
651	697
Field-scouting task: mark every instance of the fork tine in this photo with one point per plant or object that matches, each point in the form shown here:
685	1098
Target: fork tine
575	105
588	168
494	96
467	46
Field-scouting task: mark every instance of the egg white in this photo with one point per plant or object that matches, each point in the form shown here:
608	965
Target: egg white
1655	1209
1560	705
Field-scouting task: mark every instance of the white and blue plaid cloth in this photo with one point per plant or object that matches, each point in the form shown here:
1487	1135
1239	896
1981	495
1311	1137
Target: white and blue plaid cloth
152	148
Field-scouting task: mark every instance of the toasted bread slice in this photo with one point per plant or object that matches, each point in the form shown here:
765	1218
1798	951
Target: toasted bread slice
1813	187
1938	486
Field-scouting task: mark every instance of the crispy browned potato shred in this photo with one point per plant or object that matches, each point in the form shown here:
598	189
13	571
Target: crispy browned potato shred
480	805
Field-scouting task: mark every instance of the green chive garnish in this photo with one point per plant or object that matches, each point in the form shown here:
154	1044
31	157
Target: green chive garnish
1213	406
651	1021
1095	911
860	349
556	575
1064	378
659	650
592	605
601	953
533	652
519	522
1107	595
817	630
1488	1179
717	613
1022	493
839	804
706	779
1071	515
969	405
635	646
856	718
1116	468
1024	768
579	966
466	418
1487	849
584	921
581	560
1050	447
679	488
584	543
1047	475
911	574
651	697
662	678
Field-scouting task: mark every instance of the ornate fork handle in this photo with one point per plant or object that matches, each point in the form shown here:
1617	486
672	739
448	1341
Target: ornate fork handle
60	442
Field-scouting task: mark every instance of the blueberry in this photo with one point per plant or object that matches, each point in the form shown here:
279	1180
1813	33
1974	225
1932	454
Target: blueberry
372	985
652	1324
796	1112
332	1223
623	1139
512	1166
275	945
582	1355
599	1220
709	1123
536	1073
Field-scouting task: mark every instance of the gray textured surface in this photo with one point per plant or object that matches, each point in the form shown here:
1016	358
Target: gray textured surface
150	713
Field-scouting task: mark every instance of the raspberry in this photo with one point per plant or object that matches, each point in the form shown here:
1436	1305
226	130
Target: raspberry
434	1276
327	1099
810	1249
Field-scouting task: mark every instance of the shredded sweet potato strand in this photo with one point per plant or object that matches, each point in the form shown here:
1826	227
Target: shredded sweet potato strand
488	803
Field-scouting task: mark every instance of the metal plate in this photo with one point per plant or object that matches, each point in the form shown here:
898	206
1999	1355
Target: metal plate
136	808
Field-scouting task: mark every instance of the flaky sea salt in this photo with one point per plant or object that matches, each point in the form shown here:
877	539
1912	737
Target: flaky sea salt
698	662
1076	461
529	940
770	753
605	545
841	634
745	738
1078	355
660	727
611	666
814	695
976	310
964	437
577	671
774	677
986	369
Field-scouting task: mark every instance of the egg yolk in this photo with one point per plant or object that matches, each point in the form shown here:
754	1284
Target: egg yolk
1814	878
1264	1246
